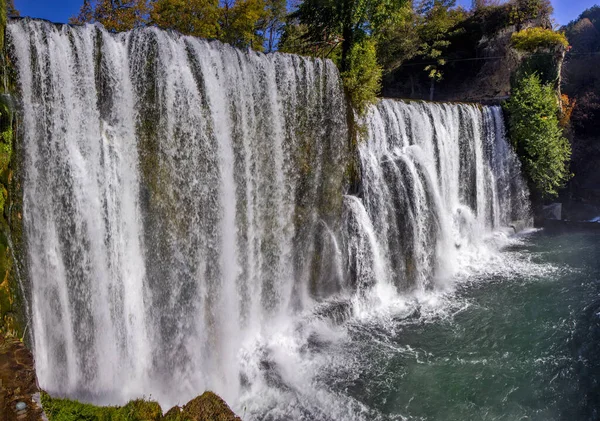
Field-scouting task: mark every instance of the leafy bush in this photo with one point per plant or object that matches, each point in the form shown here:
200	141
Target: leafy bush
533	121
363	76
533	39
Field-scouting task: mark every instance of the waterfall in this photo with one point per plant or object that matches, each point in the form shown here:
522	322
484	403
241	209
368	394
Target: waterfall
183	200
437	179
175	193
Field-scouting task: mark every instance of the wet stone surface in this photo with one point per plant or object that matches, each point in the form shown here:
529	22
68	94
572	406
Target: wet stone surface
18	384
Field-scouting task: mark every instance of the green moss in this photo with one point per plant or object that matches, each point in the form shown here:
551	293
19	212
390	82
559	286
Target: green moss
6	139
174	414
8	322
10	311
70	410
3	17
206	407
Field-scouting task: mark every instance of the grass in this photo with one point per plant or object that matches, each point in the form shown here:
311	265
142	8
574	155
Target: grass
206	407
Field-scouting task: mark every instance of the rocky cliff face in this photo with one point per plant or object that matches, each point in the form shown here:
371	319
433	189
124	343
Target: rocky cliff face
480	62
581	82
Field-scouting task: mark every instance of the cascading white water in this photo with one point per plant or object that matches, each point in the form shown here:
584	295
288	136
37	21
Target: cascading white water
183	205
437	179
175	190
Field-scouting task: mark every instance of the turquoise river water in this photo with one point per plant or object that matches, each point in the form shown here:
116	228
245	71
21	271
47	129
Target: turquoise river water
518	340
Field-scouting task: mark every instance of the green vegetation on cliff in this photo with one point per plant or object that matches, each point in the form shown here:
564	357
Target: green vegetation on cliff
533	123
69	410
445	52
363	75
533	39
206	407
11	309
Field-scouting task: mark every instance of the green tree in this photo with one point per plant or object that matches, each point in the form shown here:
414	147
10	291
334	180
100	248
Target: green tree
438	24
363	77
398	40
11	11
273	22
344	22
533	121
115	15
523	11
240	22
191	17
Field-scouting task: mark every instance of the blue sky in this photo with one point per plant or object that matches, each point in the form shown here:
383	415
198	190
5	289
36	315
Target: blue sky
61	10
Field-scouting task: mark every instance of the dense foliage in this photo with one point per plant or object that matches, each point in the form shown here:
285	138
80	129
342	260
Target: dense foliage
193	17
363	75
242	23
347	32
441	51
533	122
420	43
438	26
115	15
536	38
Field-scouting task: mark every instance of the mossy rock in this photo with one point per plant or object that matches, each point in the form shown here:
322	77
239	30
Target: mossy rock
70	410
141	409
174	414
208	407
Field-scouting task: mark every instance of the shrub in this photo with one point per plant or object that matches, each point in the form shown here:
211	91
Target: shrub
533	121
533	39
363	77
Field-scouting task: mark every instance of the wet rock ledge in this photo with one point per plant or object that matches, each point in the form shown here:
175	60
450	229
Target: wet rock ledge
19	395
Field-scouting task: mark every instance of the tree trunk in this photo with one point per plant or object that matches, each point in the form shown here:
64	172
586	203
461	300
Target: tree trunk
271	30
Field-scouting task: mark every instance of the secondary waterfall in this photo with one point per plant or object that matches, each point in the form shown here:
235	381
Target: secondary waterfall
184	200
436	180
